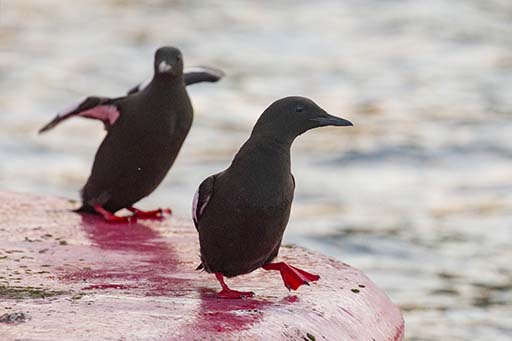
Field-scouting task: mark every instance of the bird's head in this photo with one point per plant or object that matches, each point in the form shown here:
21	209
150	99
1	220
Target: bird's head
291	116
168	62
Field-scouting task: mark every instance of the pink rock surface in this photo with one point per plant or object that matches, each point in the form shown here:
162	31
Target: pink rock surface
78	278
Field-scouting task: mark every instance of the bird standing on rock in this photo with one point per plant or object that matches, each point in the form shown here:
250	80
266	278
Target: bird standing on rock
146	130
242	212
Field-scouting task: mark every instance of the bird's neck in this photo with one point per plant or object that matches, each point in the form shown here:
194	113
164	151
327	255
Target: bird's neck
165	83
280	143
279	138
265	149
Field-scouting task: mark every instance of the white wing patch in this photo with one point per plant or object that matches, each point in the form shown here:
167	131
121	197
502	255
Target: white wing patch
194	206
196	210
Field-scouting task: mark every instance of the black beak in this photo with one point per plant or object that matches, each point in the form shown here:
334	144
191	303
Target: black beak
329	120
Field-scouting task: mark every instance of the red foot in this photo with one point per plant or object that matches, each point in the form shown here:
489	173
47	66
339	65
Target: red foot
226	292
111	218
155	214
293	277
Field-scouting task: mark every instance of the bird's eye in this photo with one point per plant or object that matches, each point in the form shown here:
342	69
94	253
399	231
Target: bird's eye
299	109
178	58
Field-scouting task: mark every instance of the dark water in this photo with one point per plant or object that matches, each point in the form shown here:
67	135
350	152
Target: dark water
417	194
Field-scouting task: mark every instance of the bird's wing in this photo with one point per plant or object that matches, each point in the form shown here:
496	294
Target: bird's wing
191	76
201	198
202	74
98	108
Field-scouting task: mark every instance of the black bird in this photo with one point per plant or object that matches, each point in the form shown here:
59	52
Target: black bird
242	212
145	132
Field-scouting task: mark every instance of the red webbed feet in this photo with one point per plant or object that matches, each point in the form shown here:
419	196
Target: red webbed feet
293	277
112	218
155	214
137	214
226	292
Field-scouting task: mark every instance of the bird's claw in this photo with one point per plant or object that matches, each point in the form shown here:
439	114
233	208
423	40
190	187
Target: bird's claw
226	292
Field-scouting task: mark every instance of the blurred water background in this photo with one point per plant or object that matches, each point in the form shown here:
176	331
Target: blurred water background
418	194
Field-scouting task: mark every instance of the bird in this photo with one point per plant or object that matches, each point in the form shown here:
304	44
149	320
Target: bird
241	213
145	131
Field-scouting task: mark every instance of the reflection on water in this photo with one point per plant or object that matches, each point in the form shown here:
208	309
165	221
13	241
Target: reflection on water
417	194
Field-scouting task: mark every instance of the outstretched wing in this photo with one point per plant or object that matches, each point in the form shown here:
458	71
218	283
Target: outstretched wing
201	198
191	76
98	108
202	74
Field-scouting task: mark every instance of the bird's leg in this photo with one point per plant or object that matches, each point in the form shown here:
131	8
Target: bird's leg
155	214
293	277
112	218
226	292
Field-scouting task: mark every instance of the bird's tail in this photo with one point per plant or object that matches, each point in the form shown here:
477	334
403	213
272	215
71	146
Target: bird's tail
85	209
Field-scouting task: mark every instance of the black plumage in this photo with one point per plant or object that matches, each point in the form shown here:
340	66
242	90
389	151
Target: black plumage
242	212
146	130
